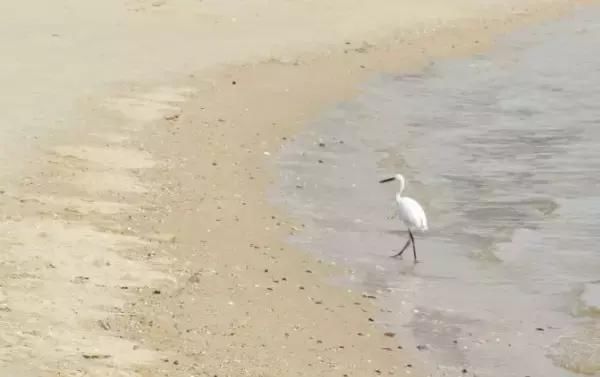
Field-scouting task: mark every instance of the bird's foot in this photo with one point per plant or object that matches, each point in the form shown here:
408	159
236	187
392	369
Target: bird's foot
417	261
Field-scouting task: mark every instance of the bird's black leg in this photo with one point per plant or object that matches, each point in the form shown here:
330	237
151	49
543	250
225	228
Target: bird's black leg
412	239
403	248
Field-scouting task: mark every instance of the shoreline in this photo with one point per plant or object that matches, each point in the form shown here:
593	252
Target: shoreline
186	270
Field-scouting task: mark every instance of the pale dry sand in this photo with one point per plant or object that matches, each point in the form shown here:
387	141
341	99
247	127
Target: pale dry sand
139	241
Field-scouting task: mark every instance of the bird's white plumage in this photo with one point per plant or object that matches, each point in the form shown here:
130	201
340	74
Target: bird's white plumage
411	213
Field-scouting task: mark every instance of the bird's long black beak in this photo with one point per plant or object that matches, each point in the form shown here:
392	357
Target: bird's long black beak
387	180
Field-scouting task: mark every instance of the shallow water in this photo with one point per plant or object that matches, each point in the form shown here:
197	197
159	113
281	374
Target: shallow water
503	152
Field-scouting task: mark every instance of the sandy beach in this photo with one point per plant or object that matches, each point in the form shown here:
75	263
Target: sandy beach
138	146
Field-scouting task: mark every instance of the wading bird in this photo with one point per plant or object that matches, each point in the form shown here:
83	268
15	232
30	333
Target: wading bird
410	212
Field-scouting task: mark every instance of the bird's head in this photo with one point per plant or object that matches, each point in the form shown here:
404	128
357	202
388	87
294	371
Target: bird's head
397	177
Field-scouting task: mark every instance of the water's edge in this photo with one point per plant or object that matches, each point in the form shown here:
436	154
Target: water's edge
500	149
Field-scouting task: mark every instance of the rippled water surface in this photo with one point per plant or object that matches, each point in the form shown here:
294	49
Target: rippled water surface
503	152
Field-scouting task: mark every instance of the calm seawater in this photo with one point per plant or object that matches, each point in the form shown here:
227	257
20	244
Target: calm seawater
503	152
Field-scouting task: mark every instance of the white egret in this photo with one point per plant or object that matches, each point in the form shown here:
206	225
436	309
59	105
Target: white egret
410	212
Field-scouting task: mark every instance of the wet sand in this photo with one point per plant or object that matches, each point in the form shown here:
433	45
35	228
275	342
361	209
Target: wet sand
141	242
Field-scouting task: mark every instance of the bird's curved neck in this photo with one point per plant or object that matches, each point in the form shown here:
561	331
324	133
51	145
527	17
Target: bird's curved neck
401	183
